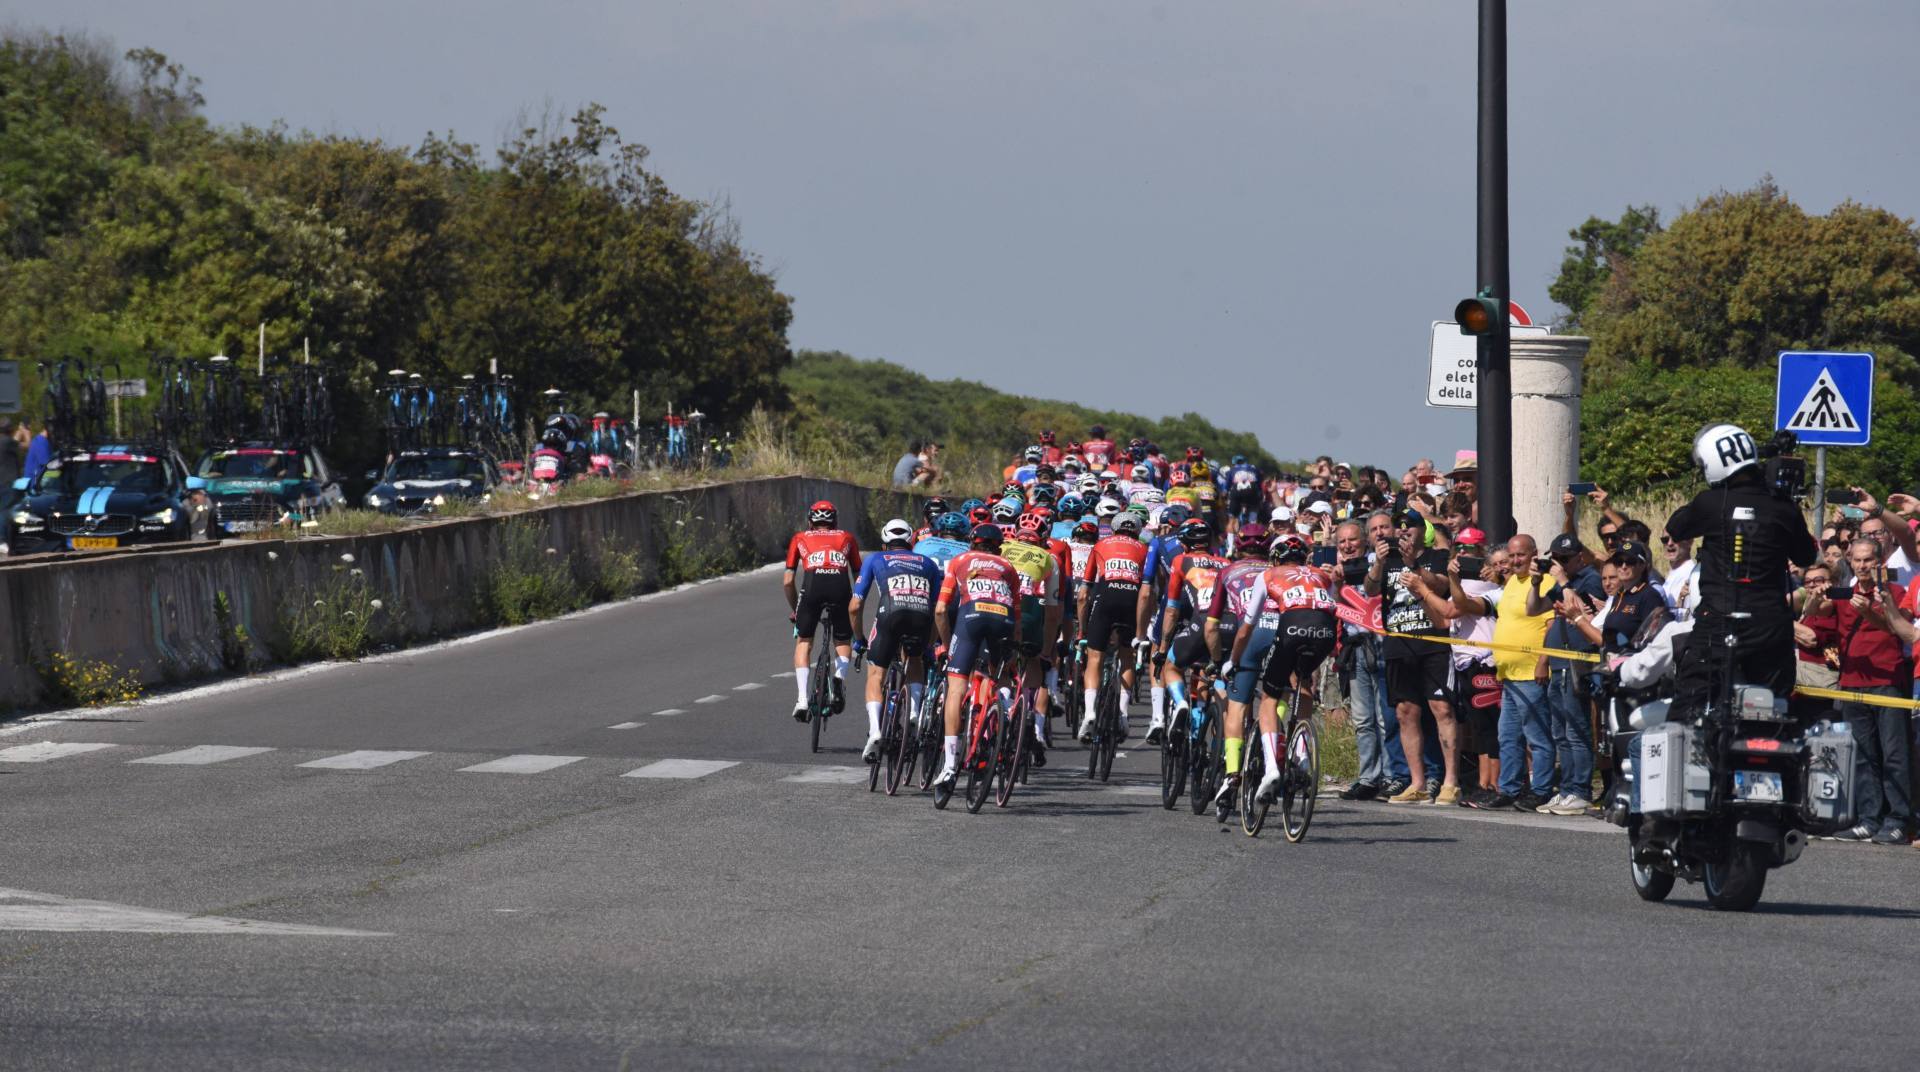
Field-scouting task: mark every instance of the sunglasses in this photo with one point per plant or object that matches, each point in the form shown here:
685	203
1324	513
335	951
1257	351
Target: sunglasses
1669	541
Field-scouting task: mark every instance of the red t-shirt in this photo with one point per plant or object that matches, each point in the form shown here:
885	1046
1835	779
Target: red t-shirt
824	552
1870	655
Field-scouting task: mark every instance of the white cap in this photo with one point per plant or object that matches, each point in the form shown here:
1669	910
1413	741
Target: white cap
1320	506
1282	515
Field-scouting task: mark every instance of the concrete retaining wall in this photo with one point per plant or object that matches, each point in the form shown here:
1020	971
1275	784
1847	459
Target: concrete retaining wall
158	613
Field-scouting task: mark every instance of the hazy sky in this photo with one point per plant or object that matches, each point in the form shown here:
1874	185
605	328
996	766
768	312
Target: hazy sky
1227	206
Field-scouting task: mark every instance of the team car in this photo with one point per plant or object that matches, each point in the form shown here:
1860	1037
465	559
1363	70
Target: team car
100	499
256	486
418	481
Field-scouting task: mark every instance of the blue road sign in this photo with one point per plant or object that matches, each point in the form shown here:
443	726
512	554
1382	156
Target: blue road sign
1825	399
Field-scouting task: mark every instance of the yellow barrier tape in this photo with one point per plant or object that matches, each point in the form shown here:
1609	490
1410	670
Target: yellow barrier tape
1518	649
1858	697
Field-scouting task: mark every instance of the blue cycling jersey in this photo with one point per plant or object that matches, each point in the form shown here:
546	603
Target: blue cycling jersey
904	580
1242	476
1160	555
940	549
1062	529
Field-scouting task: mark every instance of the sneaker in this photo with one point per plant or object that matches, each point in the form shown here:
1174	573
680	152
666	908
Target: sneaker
1433	791
1494	801
1223	800
1566	804
800	712
838	691
1891	834
1269	790
1449	794
1530	801
1155	735
1393	788
1360	791
872	752
1409	795
1863	832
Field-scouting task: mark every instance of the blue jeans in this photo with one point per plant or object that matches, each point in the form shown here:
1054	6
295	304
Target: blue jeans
1524	717
1367	707
1572	735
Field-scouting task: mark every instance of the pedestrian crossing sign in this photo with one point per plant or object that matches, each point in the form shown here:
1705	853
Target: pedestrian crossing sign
1826	399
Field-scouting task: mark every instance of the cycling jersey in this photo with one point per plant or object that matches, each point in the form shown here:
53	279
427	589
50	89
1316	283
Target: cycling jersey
1052	456
984	584
824	562
1080	553
1290	588
1190	496
1232	590
1191	582
1240	479
1160	556
1099	453
823	553
901	580
1305	632
1039	577
1117	563
941	549
1024	475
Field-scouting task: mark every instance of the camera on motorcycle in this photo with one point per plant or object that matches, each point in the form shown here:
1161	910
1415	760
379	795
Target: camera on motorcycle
1843	497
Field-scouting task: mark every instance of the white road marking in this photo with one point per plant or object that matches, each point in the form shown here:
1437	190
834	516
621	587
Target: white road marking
748	687
669	711
681	768
23	910
363	760
202	754
1135	790
45	750
715	698
626	725
784	673
828	776
522	764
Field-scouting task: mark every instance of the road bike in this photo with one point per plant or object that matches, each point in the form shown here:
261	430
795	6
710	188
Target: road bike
1192	751
819	686
993	748
932	725
899	736
1110	707
1299	785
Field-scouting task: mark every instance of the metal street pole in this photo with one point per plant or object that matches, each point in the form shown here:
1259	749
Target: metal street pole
1493	379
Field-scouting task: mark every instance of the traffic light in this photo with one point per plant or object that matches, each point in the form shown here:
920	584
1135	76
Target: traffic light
1479	314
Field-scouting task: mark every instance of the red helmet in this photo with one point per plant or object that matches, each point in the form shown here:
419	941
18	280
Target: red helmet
981	515
1253	538
1046	436
822	513
1031	526
1179	478
1193	452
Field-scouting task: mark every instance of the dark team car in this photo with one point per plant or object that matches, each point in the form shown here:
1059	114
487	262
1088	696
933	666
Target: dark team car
99	499
418	481
256	486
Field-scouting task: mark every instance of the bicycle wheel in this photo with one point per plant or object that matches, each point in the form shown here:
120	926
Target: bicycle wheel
1205	759
1253	814
933	730
1100	702
1008	754
1107	737
897	741
1302	785
888	725
1173	764
819	699
982	746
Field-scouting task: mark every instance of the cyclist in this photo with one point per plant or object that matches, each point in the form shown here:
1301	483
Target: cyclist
1186	640
821	563
1230	594
1029	466
1098	449
904	584
1242	483
930	511
1303	637
949	539
1040	594
1051	454
1067	515
976	619
1182	491
1163	546
1113	603
1139	481
1200	473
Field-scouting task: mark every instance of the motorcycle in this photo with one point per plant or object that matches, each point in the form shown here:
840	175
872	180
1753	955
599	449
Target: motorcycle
1726	796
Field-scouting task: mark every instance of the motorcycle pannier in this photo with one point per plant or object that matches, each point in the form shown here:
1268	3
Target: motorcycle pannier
1830	774
1667	780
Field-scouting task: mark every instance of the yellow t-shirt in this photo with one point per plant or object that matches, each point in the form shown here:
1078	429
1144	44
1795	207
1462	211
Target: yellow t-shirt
1513	625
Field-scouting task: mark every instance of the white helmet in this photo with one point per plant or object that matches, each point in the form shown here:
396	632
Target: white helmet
1151	496
1721	450
1143	471
1089	486
1106	508
896	531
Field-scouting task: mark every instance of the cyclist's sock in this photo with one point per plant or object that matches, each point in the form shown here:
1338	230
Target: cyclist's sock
1178	691
1040	724
915	694
840	664
800	676
950	748
1093	702
1159	694
873	718
1270	744
1234	745
1280	710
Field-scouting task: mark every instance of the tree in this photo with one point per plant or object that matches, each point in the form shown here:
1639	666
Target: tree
1604	247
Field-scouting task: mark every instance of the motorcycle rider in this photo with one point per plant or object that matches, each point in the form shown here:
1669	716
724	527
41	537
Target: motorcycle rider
1747	535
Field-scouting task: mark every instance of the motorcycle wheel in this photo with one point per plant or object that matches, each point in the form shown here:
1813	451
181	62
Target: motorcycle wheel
1650	883
1734	884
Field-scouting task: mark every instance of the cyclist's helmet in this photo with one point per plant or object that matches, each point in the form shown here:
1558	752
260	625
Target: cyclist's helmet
1089	485
1142	472
988	536
980	515
1288	547
1253	539
1107	509
1046	437
1108	476
1179	478
1035	453
822	513
1151	495
1011	487
1127	522
1045	473
933	508
1007	509
1239	459
1097	432
1087	531
1195	533
1175	515
1071	465
968	506
554	438
1072	507
1044	495
896	531
1032	528
1194	453
952	525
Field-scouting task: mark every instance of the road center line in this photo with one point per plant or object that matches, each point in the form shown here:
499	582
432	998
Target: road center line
45	750
749	686
669	711
363	760
715	698
202	754
681	768
522	764
626	725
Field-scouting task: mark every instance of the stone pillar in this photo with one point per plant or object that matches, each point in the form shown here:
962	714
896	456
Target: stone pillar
1546	428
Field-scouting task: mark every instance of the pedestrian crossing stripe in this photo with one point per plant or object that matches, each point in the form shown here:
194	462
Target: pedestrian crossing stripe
1824	409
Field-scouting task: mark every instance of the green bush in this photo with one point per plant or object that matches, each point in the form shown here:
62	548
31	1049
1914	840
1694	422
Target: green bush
340	619
529	580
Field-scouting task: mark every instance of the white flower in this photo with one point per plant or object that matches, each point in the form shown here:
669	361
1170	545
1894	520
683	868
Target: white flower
551	551
319	602
273	556
375	604
347	558
356	572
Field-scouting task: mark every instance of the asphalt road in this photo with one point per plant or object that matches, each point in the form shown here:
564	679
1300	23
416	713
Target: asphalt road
315	876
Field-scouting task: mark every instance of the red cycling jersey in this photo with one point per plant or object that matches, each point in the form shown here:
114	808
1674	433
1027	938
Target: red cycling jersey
986	583
1287	588
824	552
1117	561
1099	453
1190	585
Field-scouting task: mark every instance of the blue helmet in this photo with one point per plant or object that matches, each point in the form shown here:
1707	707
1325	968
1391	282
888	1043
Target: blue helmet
952	524
1239	459
1072	507
971	505
1175	514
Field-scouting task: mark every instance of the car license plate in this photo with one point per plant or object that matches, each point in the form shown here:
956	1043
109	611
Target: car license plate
1758	785
95	543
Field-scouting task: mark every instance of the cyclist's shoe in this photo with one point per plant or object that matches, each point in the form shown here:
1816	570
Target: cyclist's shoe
1223	800
1121	735
1270	786
800	712
872	752
1086	729
838	690
1155	735
1036	749
947	776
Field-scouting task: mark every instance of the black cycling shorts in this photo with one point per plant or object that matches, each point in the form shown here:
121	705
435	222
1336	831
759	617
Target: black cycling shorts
1107	614
1189	647
1421	677
898	631
1304	639
977	638
824	594
1245	505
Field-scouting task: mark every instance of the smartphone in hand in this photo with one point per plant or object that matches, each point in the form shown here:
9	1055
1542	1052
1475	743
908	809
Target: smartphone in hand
1586	488
1842	497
